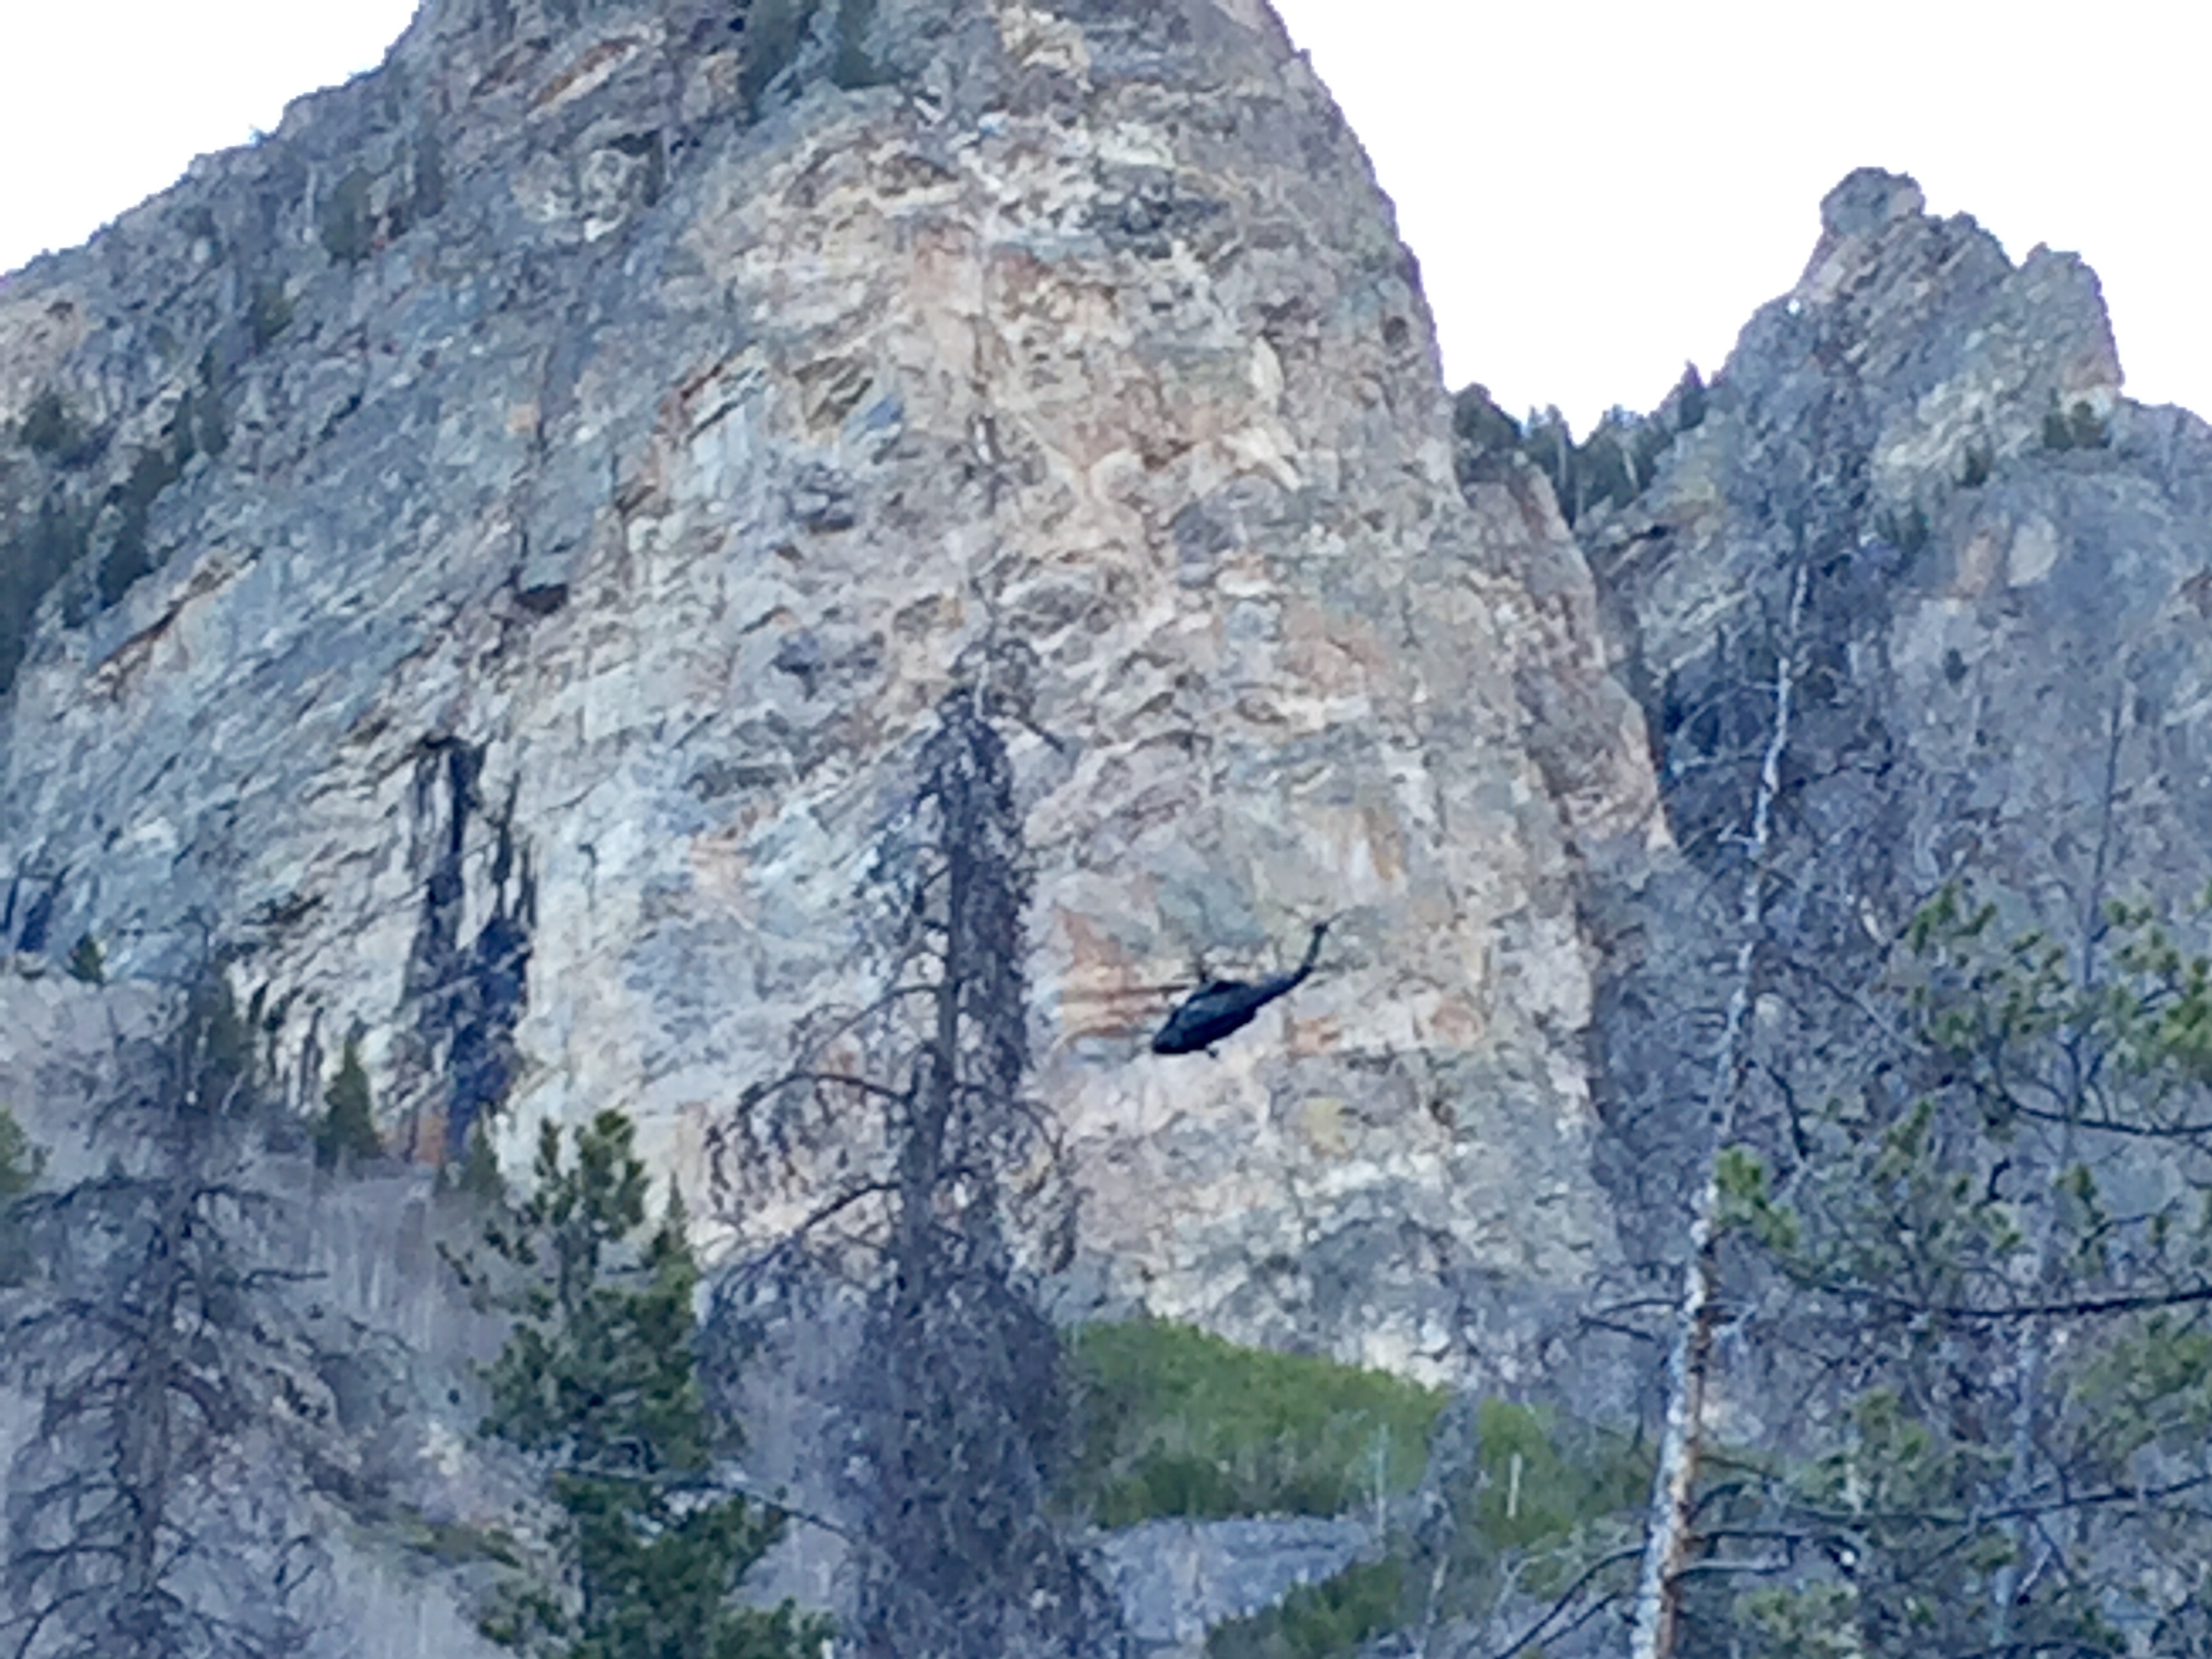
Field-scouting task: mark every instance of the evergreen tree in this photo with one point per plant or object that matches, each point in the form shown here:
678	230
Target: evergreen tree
1997	1266
22	1163
598	1381
86	965
347	1133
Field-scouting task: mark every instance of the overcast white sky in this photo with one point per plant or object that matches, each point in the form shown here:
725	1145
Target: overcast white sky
1596	193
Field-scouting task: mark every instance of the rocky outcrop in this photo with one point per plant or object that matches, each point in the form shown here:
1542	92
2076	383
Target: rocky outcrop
508	529
1178	1579
1999	655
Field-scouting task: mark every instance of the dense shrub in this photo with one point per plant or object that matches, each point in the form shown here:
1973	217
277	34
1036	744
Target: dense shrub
39	555
347	1133
269	313
87	964
1178	1422
2079	428
157	467
775	30
348	231
851	65
1329	1620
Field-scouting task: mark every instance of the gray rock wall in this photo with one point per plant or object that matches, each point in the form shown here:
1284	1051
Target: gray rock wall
567	464
2002	664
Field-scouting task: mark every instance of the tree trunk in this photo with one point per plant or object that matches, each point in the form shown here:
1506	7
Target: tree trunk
1668	1531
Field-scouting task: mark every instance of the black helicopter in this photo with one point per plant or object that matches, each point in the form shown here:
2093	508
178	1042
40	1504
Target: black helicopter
1221	1006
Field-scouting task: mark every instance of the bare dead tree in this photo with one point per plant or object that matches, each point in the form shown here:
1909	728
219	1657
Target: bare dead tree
1690	1357
930	1160
153	1514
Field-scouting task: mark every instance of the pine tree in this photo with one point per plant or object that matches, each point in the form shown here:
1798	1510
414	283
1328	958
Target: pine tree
598	1381
22	1163
1997	1261
86	965
347	1133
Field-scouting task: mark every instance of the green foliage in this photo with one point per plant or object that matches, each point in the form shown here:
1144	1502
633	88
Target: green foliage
222	1076
1602	470
2151	1389
347	228
32	561
852	67
1689	400
453	1544
478	1175
22	1163
1178	1422
1480	426
156	468
1329	1620
774	31
347	1132
48	428
1549	442
2079	428
597	1381
269	313
1907	531
1542	1480
1611	466
86	963
2019	1364
1519	1501
1746	1201
1817	1621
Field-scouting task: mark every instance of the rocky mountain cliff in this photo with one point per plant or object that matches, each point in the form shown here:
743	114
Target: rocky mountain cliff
1915	482
482	562
513	521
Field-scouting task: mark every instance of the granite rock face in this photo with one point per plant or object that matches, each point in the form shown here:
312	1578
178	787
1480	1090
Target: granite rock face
508	530
1177	1579
386	1396
1999	660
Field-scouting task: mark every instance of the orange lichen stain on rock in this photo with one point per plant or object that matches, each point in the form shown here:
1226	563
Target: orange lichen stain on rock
1453	1022
130	660
1308	1038
1332	654
589	72
1103	991
423	1141
721	875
